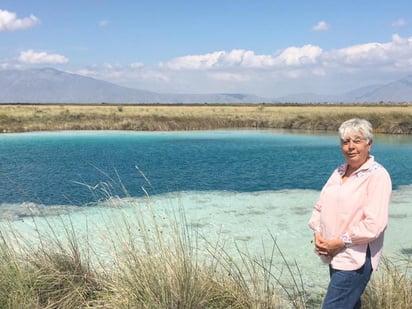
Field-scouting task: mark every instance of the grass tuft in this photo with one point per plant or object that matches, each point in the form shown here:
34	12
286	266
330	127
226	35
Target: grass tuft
159	260
391	286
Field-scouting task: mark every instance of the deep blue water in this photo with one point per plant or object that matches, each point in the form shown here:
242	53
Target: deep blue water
56	167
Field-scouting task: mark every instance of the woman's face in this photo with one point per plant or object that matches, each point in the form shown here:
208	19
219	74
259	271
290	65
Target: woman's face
355	149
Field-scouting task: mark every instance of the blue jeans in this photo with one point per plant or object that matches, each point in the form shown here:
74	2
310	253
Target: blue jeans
346	287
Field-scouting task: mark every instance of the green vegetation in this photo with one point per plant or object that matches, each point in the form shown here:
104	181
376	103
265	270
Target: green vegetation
393	119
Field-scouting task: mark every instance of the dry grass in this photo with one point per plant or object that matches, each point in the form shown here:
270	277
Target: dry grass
159	262
391	286
21	118
152	262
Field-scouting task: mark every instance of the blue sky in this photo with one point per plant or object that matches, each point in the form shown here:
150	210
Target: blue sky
266	48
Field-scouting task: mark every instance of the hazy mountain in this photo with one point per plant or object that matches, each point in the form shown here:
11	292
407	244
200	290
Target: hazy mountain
307	97
395	92
52	86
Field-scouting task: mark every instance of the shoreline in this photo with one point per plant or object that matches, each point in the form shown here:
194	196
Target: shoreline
385	118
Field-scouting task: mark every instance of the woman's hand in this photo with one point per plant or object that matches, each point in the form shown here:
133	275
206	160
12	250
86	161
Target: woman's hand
328	247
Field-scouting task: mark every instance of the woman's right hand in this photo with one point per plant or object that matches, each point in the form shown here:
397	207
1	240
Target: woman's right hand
327	247
320	244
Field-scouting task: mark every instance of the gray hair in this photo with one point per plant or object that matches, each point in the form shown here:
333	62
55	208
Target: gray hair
355	126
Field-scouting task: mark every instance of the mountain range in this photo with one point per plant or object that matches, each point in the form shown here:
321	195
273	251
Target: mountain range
48	85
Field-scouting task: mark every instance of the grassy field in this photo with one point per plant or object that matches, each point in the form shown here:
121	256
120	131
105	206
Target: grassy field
393	119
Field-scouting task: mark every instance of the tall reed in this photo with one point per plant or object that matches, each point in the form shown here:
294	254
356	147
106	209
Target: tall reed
145	257
163	261
49	273
156	260
391	285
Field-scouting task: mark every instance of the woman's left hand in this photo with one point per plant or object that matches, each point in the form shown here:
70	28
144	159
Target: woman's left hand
334	246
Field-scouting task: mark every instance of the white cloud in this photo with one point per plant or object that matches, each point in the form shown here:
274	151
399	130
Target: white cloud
360	54
318	72
229	77
85	72
109	66
33	57
293	69
194	62
136	65
4	66
374	56
400	22
300	64
10	22
321	26
299	56
103	23
251	60
292	56
124	73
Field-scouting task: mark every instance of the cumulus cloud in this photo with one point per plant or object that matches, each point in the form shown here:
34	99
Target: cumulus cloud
400	22
294	56
299	56
308	57
33	57
242	70
300	63
374	54
321	26
194	62
10	22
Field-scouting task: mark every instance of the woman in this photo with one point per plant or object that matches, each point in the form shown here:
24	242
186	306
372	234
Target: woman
350	217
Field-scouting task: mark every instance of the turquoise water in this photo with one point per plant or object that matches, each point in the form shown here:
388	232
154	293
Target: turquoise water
239	186
50	168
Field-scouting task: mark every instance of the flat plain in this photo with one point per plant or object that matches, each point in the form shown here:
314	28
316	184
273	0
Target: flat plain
386	118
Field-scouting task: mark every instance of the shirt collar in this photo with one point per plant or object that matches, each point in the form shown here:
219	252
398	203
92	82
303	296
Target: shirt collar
368	164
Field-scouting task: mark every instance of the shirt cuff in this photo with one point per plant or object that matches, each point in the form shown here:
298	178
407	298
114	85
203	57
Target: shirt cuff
315	229
346	240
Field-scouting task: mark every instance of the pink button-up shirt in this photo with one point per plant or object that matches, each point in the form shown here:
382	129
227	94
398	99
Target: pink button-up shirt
356	209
